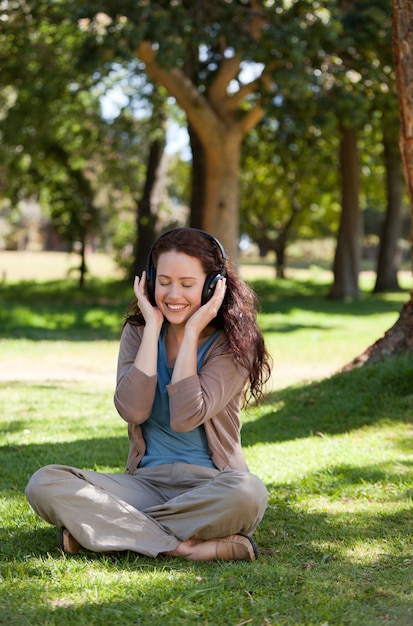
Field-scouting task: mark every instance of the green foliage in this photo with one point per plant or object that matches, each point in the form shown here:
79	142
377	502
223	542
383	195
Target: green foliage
321	63
53	120
61	151
356	65
290	163
297	180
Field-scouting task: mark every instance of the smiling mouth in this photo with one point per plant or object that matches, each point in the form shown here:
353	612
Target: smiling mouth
176	307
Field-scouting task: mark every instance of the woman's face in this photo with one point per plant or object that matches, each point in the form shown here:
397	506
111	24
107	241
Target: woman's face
178	288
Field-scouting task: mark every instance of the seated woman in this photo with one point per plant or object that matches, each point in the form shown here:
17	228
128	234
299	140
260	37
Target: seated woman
191	356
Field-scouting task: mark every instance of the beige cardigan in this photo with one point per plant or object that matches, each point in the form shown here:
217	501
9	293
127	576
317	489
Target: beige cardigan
211	398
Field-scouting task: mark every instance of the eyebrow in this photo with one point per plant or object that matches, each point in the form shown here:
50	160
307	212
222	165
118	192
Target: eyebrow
180	277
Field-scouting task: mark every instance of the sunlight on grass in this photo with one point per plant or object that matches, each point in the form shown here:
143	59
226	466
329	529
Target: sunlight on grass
328	456
335	453
26	317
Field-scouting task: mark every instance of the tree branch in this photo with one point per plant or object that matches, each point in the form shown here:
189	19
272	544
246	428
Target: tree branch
244	91
227	71
205	117
196	106
251	118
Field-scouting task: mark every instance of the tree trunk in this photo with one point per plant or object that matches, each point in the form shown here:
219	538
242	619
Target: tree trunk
347	256
399	338
220	123
388	259
283	237
146	211
222	164
192	69
403	61
83	266
197	179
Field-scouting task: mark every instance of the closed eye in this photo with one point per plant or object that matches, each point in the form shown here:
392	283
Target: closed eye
165	283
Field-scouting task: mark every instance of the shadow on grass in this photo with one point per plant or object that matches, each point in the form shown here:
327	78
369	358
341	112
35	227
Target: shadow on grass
19	462
66	292
346	487
357	552
286	526
277	595
314	553
284	523
306	295
60	310
344	402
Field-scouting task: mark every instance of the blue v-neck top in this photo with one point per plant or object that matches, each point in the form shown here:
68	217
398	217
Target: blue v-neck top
163	445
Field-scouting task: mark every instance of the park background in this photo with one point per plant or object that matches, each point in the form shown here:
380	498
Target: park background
293	161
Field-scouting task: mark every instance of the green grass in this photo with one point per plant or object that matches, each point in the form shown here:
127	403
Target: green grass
336	455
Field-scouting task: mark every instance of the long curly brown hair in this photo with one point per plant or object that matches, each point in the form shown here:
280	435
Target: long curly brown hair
237	316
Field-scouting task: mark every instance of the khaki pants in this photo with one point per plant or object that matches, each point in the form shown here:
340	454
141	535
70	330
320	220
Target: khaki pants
148	512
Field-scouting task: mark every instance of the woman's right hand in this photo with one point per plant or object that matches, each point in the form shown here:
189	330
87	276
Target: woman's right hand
151	314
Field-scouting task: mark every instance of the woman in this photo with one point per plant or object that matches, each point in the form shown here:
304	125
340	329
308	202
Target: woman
191	355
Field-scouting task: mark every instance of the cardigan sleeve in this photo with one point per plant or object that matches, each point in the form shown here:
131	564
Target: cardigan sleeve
135	391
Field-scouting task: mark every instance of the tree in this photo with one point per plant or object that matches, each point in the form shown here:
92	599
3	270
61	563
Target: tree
386	275
57	146
288	184
346	265
354	66
221	99
51	123
147	207
399	338
384	108
403	61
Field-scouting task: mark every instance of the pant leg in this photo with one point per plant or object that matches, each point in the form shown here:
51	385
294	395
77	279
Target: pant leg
220	503
96	509
151	511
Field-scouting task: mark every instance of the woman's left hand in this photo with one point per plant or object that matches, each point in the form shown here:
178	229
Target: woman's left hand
207	312
186	360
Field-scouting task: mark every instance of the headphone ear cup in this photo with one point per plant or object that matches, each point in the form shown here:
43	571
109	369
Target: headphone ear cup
209	287
150	283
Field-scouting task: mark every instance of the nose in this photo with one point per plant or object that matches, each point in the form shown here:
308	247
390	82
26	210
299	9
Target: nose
174	291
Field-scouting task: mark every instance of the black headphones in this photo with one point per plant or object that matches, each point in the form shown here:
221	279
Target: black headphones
210	281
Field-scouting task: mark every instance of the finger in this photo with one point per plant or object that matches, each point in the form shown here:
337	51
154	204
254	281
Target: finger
221	287
139	286
140	282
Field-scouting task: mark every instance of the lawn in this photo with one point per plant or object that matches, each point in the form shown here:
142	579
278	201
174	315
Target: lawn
335	451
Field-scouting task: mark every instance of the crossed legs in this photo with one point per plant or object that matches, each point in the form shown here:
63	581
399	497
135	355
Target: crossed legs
180	510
